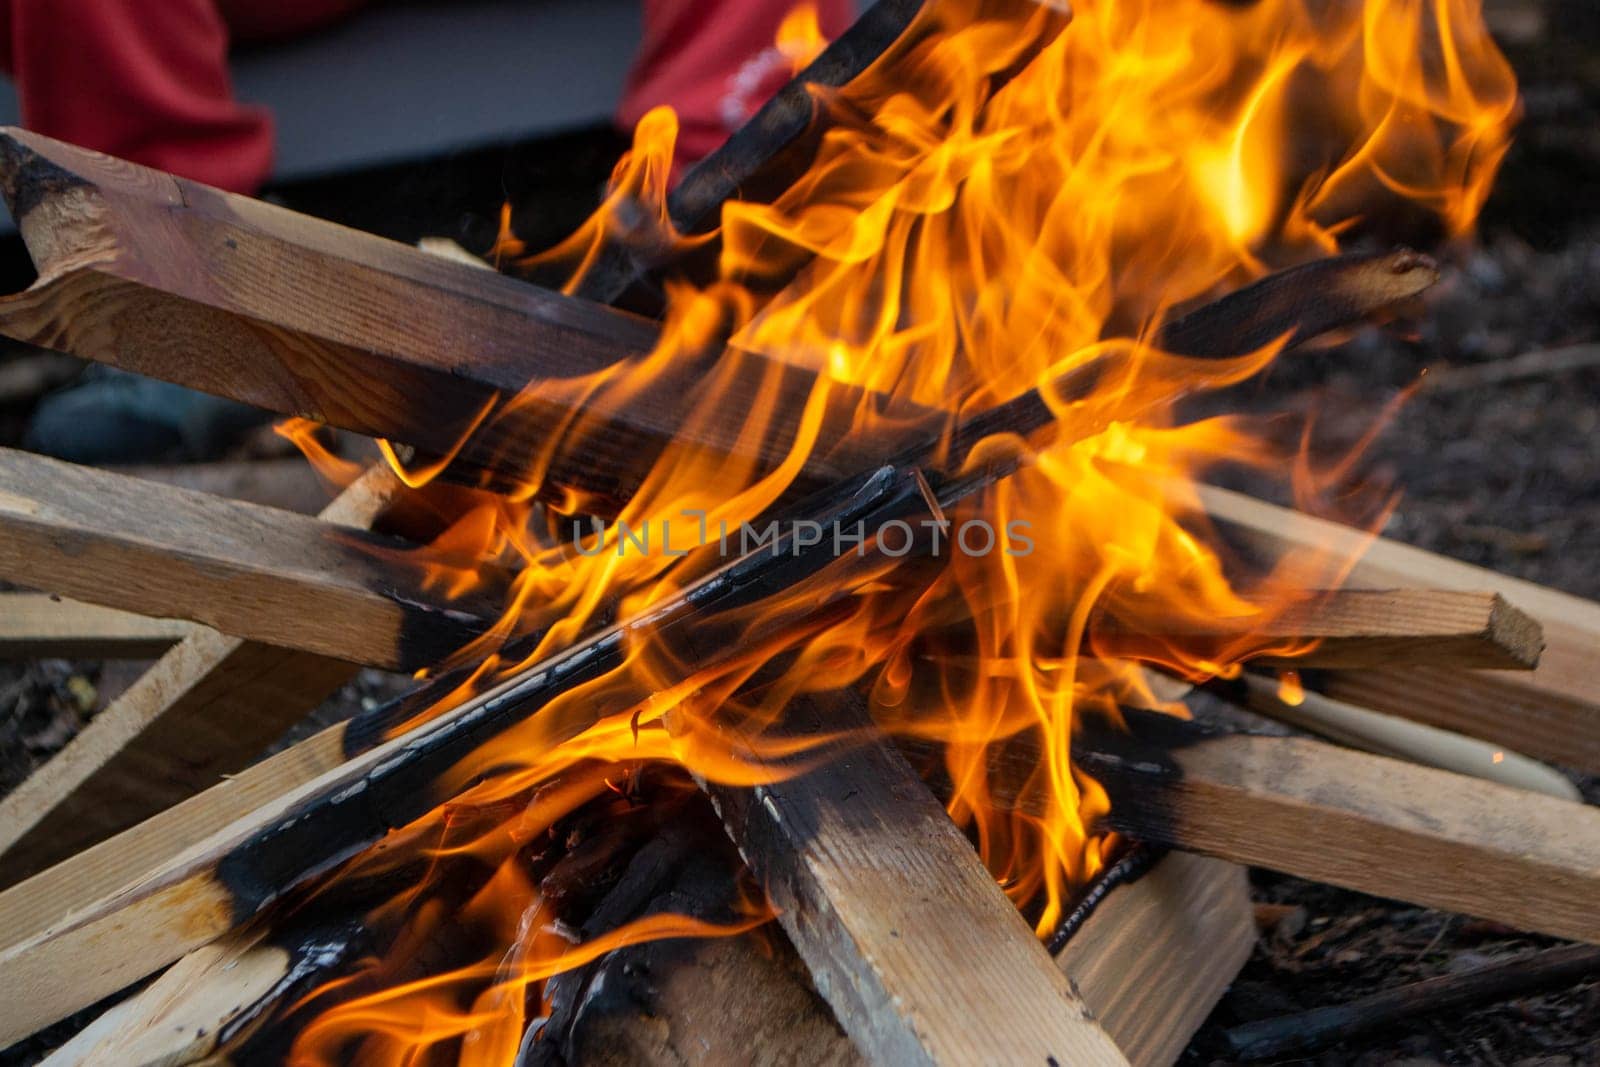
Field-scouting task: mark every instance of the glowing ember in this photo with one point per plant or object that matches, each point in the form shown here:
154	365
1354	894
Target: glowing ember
962	246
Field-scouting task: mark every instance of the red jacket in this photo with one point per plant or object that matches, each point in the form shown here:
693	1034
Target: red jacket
147	80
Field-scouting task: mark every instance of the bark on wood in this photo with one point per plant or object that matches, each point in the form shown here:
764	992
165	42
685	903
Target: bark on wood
1390	735
1552	713
885	900
249	571
42	626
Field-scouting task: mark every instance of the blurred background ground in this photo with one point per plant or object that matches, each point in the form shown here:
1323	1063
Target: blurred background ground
1500	467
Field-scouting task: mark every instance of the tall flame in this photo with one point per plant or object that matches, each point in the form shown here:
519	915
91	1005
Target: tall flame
962	244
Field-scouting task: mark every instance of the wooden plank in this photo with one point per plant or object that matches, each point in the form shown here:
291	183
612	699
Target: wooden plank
1355	820
164	277
248	571
207	708
1357	628
43	626
1159	952
886	902
119	911
1552	713
169	278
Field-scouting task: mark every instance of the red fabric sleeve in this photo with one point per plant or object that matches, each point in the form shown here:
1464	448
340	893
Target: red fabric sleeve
147	80
714	62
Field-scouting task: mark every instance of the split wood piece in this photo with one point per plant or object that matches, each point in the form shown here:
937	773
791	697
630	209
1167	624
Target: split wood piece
1158	953
204	710
42	626
253	572
886	902
1363	628
1320	1027
212	997
1351	819
1552	713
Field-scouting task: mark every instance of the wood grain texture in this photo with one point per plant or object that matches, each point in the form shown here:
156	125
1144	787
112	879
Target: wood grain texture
42	626
1355	820
1552	713
204	710
888	904
1158	953
1363	628
168	278
248	571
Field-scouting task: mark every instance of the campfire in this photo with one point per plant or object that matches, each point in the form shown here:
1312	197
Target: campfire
806	569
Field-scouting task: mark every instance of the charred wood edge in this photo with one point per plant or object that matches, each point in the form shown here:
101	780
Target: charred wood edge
1389	828
1552	713
779	145
227	878
87	235
1137	860
884	899
759	144
1318	1028
65	901
82	531
1391	735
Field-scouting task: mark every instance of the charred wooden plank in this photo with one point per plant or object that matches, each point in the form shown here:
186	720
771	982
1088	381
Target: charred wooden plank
780	144
87	927
41	626
1351	819
164	277
249	571
1552	713
885	900
235	297
1358	628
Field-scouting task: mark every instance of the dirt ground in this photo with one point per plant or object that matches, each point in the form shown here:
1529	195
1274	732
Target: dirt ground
1505	474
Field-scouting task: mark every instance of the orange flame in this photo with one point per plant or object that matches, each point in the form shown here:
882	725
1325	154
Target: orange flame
963	245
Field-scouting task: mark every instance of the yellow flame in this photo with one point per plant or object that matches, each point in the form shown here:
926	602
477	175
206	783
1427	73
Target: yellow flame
963	244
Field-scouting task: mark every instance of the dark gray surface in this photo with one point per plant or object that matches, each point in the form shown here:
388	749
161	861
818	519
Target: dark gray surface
414	79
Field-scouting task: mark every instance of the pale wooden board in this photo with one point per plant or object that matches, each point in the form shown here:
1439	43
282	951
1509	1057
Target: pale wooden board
1552	713
887	903
246	570
1159	952
1360	821
43	626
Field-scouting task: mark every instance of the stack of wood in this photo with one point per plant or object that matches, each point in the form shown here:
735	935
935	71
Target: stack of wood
154	844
